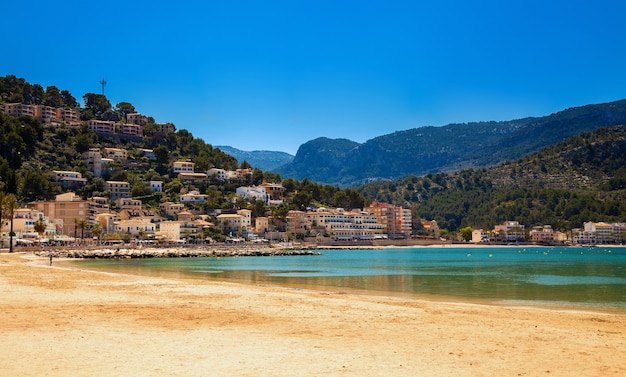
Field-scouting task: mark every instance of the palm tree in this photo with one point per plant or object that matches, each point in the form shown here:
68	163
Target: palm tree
96	230
2	205
10	205
82	224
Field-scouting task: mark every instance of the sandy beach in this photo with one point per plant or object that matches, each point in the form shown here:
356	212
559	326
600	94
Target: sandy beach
63	321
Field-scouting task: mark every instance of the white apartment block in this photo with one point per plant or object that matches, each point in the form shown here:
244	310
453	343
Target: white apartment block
193	197
69	177
252	194
183	167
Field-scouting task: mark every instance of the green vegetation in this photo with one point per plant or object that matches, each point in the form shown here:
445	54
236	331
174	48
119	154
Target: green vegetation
581	179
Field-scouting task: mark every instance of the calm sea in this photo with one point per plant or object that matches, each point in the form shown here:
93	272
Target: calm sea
582	277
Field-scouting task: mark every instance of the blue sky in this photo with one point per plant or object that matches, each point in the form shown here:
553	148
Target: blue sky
272	75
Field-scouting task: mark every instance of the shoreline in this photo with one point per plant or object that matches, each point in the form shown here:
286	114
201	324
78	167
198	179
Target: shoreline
69	321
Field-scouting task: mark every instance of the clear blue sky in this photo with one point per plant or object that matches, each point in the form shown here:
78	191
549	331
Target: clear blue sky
272	75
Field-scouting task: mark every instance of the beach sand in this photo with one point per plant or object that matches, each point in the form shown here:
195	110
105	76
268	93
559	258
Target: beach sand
64	321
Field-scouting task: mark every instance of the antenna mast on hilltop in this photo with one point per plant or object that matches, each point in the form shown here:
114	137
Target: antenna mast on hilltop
103	83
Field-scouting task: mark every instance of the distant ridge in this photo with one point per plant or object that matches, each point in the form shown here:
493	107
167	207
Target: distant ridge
423	150
264	160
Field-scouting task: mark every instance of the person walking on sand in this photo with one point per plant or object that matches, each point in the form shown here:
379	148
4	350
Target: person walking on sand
50	255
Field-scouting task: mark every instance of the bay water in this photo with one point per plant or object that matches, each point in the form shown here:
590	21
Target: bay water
588	277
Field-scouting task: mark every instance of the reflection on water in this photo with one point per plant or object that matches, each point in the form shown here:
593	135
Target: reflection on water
576	276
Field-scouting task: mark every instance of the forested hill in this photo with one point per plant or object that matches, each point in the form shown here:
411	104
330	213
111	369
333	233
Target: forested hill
453	147
580	179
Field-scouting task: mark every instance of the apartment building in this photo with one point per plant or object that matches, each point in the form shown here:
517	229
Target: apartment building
116	154
101	126
69	178
341	224
93	161
219	174
46	114
69	116
176	231
396	221
137	119
117	189
171	209
253	193
599	233
193	197
65	210
542	234
510	231
183	167
137	228
130	129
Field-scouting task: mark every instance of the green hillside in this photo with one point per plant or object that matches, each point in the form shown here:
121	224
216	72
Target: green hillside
580	179
453	147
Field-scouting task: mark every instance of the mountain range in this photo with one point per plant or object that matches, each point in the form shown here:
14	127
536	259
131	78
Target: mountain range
453	147
264	160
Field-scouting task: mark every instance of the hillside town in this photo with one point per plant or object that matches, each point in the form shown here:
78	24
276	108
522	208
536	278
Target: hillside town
118	217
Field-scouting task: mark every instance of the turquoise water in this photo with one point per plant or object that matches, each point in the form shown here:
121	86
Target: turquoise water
584	277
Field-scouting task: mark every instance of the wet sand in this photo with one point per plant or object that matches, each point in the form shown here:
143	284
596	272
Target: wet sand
61	321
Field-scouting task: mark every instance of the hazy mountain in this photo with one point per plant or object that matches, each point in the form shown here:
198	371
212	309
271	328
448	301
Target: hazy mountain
453	147
264	160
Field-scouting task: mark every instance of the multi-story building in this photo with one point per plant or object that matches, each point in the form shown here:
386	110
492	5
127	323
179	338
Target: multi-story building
171	209
298	223
340	224
128	203
116	154
101	126
46	114
235	222
510	231
156	186
130	129
178	230
275	193
431	227
93	161
183	167
193	197
396	221
542	234
69	116
166	128
480	235
137	119
117	189
599	233
252	194
219	174
193	177
138	228
69	179
66	210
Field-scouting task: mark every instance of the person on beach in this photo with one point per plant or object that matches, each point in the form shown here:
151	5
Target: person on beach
50	255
